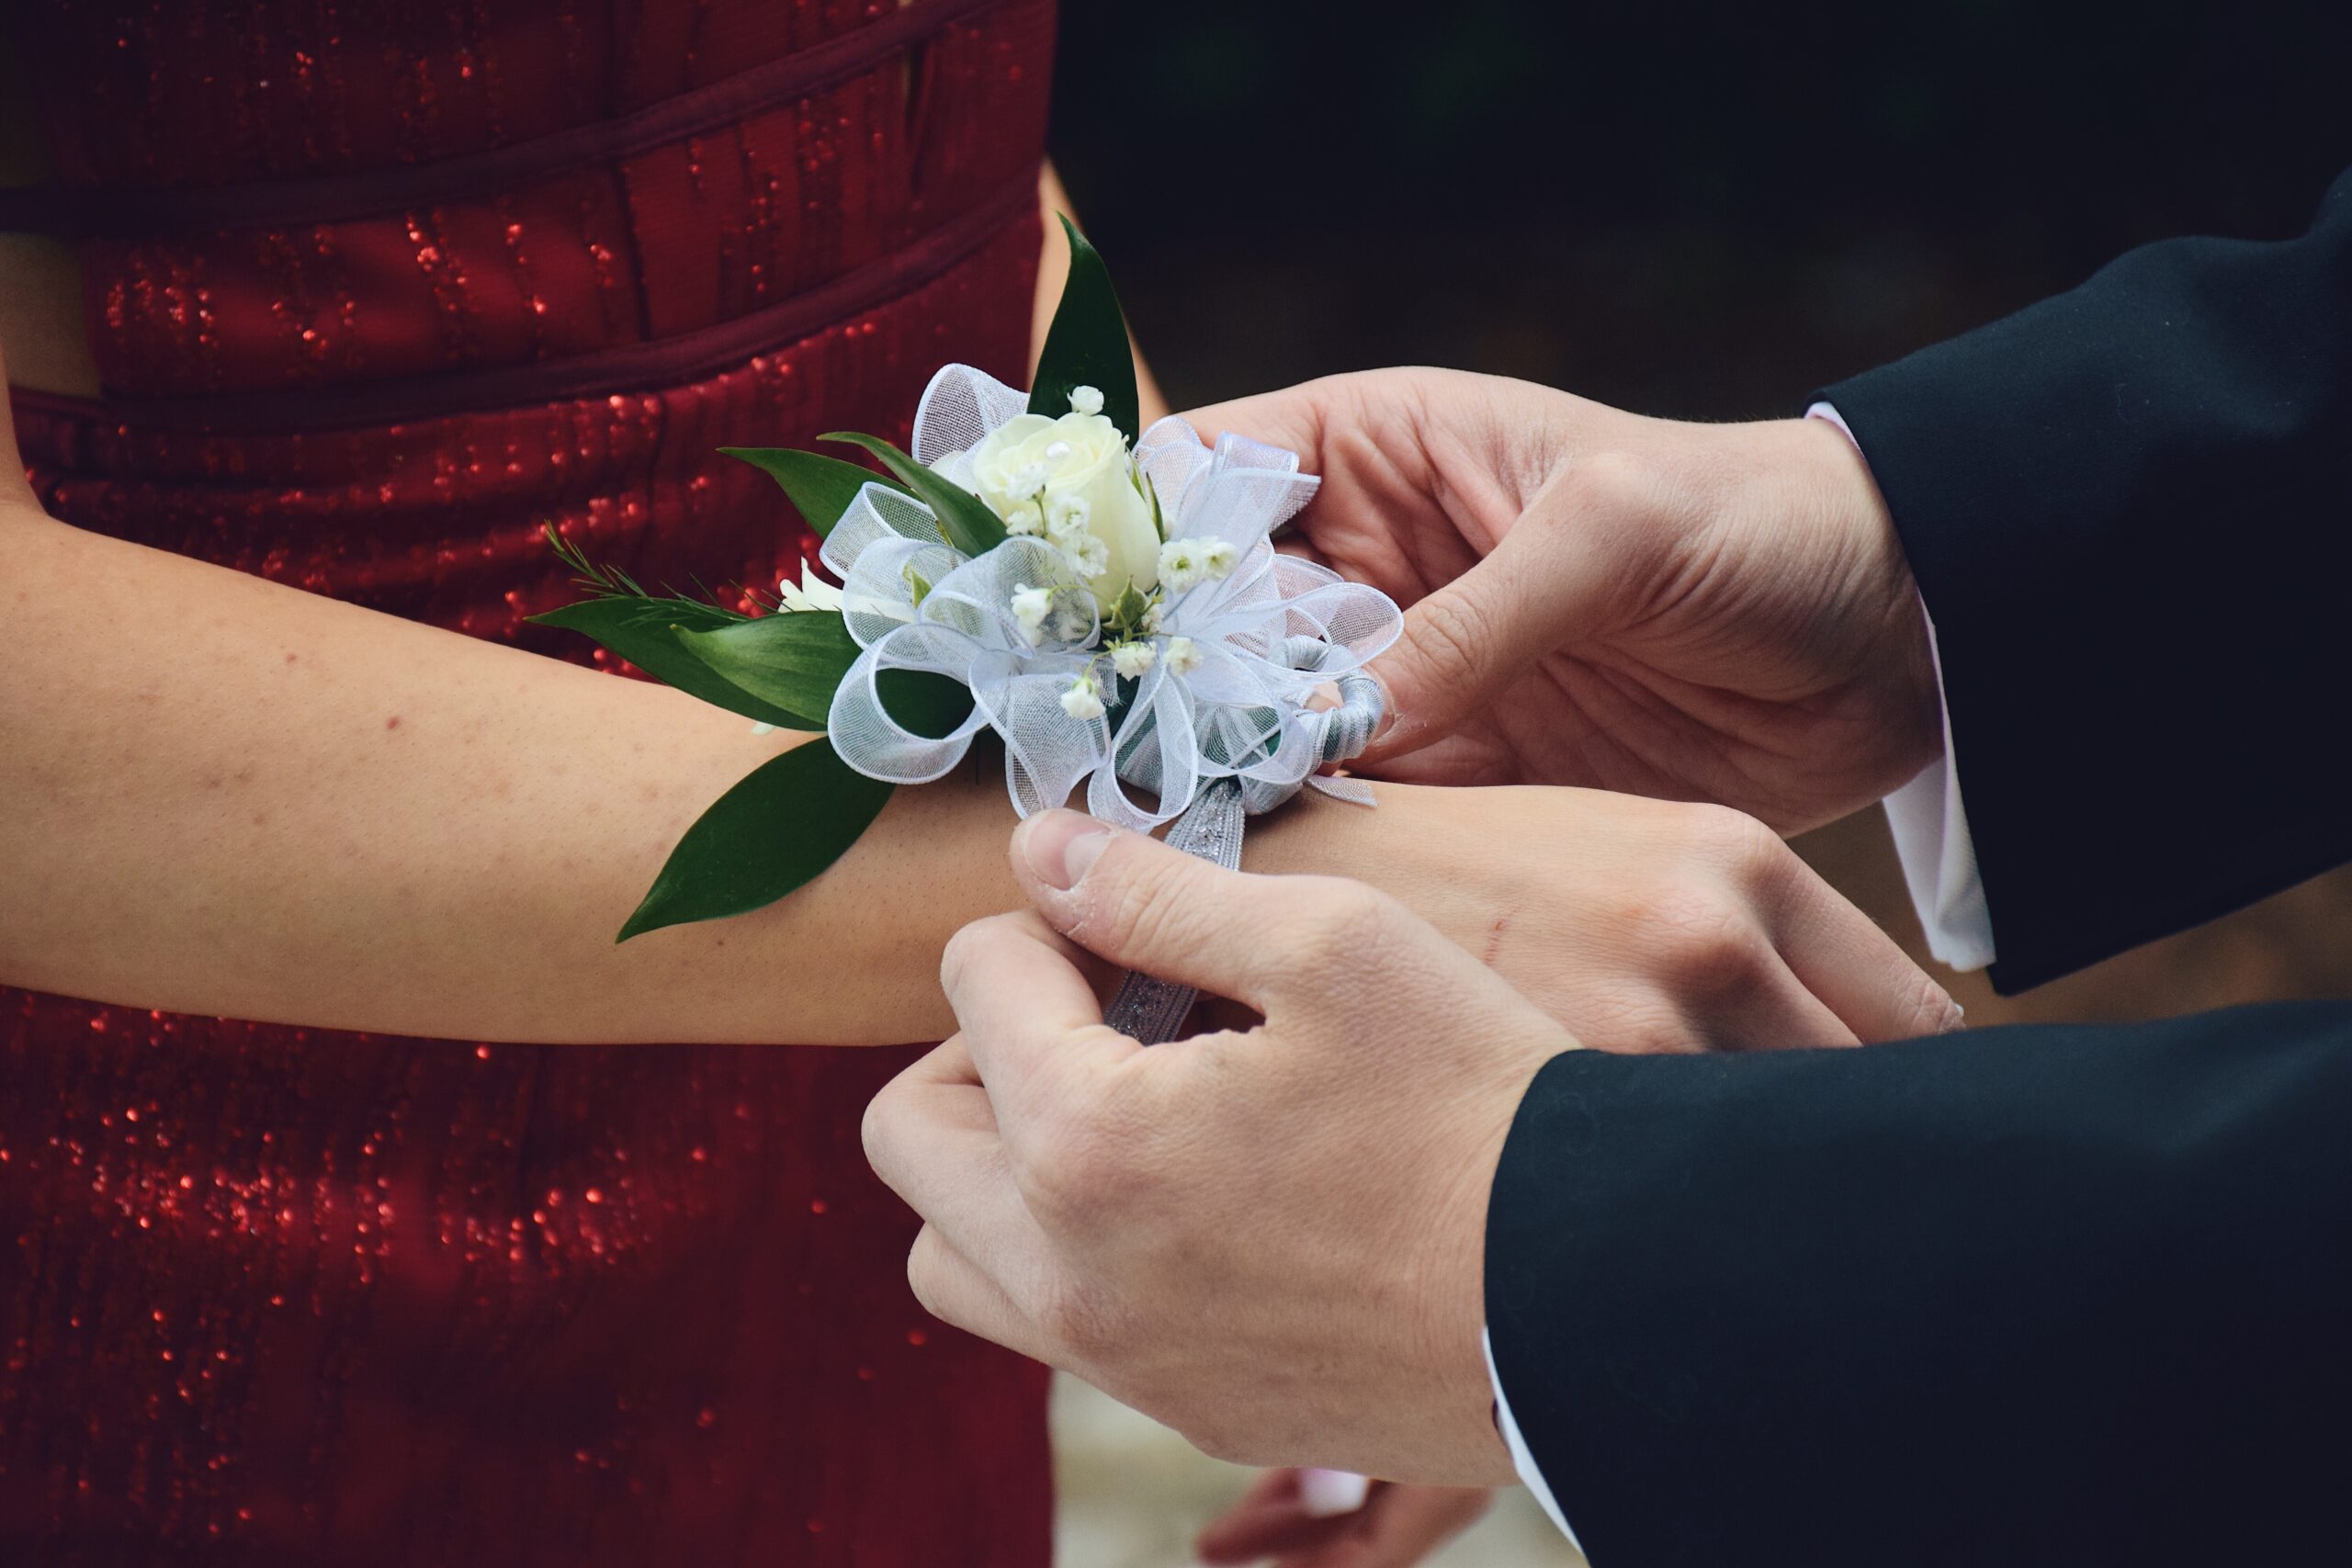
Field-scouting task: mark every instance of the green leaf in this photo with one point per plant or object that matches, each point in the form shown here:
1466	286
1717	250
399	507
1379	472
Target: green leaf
964	517
791	818
791	660
1087	345
644	632
821	488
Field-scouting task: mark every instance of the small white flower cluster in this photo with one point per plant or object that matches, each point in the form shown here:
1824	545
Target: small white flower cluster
1060	516
1186	564
1083	700
1038	615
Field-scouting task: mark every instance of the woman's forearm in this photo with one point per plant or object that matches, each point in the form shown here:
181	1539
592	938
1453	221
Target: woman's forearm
221	795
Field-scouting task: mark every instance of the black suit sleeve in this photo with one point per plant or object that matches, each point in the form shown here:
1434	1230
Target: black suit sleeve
2034	1296
2129	509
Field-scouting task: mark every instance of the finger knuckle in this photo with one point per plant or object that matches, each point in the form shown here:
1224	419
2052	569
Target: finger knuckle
1452	633
927	1275
1702	938
1927	1008
1637	1021
1074	1176
1124	913
1337	922
874	1127
1750	852
1090	1325
962	957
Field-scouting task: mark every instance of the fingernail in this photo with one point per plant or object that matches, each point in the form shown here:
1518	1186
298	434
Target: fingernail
1060	846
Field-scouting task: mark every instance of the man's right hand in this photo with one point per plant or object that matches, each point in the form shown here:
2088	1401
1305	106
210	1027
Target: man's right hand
1697	611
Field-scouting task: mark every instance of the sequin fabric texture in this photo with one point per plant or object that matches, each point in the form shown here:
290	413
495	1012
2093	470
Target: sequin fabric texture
270	1295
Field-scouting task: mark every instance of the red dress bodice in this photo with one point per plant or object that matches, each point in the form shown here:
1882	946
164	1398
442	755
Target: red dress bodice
375	290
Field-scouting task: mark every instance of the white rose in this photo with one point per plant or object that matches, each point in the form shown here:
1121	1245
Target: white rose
1075	471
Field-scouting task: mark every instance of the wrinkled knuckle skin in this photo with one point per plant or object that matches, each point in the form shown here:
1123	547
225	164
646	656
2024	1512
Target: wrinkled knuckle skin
1703	942
1130	915
961	956
1086	1323
1749	848
1930	1009
1452	636
1073	1178
1341	922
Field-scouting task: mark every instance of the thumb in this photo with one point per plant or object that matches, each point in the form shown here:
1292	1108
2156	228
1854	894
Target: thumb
1132	900
1468	641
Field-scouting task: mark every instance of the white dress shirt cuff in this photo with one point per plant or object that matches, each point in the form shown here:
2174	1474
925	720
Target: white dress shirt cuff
1931	828
1520	1459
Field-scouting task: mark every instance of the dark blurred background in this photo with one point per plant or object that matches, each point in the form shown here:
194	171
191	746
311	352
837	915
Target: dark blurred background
1703	211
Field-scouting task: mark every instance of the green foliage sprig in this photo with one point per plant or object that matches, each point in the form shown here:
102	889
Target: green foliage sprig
798	812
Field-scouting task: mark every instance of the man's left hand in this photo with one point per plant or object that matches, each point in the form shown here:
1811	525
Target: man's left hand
1272	1240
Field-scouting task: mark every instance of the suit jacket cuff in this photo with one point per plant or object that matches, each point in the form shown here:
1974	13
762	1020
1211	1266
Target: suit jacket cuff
1930	826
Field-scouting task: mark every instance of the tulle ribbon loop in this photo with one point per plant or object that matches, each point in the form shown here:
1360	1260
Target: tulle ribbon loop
1218	713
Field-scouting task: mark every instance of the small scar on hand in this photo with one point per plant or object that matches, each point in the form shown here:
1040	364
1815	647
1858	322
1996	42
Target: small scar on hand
1495	939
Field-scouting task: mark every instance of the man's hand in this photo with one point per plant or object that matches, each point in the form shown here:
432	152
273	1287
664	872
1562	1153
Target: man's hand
1270	1240
1695	612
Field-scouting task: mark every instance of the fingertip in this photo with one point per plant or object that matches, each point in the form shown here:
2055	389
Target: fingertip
1055	849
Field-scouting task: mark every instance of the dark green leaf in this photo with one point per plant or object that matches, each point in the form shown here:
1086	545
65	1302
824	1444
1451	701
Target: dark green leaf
1087	345
964	517
821	487
791	661
644	632
791	818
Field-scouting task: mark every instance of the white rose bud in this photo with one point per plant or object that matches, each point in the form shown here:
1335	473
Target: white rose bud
1183	656
1132	659
1086	400
1081	701
1078	468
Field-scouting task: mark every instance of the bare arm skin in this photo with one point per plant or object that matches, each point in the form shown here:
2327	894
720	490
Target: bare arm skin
223	796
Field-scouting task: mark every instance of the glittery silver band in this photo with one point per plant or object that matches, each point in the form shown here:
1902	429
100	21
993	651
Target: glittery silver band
1152	1011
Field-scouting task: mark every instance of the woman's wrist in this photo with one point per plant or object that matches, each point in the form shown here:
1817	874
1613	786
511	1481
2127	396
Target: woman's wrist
1402	847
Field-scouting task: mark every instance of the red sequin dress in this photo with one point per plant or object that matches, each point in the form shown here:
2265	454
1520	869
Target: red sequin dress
376	286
